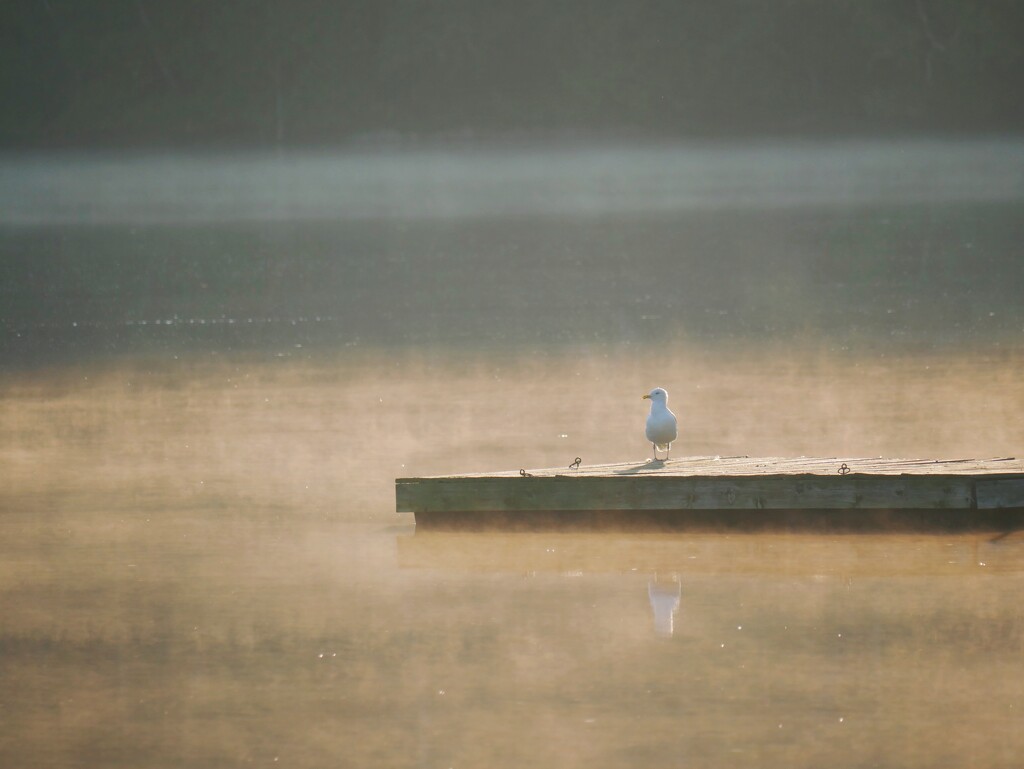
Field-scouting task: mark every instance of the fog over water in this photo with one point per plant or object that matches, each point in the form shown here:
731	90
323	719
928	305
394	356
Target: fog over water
514	180
201	566
215	359
852	245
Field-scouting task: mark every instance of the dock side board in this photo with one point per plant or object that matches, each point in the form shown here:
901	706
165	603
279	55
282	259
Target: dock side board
730	483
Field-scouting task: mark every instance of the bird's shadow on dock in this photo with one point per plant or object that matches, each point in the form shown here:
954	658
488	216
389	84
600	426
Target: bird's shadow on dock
654	464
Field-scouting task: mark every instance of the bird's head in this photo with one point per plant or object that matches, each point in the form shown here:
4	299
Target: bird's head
658	395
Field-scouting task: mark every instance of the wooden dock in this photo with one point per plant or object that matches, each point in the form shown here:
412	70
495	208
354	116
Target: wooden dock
725	490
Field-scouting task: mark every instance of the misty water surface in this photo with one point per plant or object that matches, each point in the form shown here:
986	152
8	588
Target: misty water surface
506	180
205	404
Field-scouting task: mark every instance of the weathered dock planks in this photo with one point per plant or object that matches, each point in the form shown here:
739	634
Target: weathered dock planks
726	484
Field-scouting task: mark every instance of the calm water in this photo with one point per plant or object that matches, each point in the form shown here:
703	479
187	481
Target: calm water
201	567
200	426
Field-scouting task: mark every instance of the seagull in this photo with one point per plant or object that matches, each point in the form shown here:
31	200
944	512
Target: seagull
661	423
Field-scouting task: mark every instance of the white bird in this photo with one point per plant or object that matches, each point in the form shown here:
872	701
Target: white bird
661	423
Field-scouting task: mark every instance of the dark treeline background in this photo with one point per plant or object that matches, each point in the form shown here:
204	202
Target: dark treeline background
259	72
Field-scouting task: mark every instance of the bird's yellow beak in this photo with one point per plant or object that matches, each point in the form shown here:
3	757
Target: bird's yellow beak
646	398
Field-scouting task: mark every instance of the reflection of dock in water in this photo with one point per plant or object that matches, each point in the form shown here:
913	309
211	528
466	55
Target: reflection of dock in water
666	562
771	554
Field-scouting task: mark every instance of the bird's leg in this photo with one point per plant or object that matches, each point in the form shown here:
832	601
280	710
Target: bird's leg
655	447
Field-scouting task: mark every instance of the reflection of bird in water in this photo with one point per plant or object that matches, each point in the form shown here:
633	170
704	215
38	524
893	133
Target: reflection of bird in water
661	423
665	601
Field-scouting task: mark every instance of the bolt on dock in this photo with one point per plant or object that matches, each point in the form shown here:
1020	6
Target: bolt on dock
726	490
